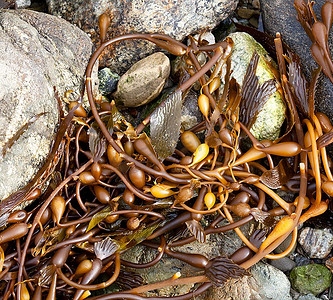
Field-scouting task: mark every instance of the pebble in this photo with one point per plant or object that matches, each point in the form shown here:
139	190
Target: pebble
312	279
144	81
284	264
317	243
107	81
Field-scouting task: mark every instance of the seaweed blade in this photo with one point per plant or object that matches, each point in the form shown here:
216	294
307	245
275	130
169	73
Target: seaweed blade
165	125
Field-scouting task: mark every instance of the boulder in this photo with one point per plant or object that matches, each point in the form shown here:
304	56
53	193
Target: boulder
175	18
280	16
38	52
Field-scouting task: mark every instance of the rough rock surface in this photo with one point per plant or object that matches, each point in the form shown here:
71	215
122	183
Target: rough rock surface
295	37
37	53
144	81
312	279
176	18
266	283
215	245
317	243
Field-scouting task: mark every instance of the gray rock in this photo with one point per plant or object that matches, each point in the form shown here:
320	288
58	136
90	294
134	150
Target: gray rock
23	3
285	244
107	81
293	34
37	52
191	114
266	283
144	81
284	264
317	243
175	18
306	297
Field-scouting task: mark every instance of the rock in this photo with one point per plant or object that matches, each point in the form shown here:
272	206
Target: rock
37	52
293	34
144	81
307	297
312	279
317	243
191	114
107	81
284	264
266	283
175	18
215	245
22	3
285	244
246	13
273	111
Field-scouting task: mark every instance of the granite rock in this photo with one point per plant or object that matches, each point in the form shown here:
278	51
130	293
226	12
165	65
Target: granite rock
37	53
317	243
175	18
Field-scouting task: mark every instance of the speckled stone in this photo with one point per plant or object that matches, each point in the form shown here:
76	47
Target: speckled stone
175	18
265	283
37	53
107	81
317	243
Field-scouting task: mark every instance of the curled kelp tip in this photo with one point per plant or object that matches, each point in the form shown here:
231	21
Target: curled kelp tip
105	248
221	269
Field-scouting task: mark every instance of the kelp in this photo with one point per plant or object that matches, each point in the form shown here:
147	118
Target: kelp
254	96
103	203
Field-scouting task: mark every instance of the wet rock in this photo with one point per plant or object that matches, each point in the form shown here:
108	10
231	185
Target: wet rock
107	81
266	283
37	52
317	243
144	81
293	34
273	111
284	264
312	279
175	18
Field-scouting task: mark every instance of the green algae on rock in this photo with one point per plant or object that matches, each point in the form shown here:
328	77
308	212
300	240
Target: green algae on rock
270	118
312	279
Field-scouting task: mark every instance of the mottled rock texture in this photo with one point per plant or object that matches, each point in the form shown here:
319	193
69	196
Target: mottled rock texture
176	18
280	16
37	53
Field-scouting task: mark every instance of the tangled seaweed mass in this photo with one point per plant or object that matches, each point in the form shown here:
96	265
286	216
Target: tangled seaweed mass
109	191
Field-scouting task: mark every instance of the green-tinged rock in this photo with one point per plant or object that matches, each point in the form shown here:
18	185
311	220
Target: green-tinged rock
269	120
107	81
312	279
